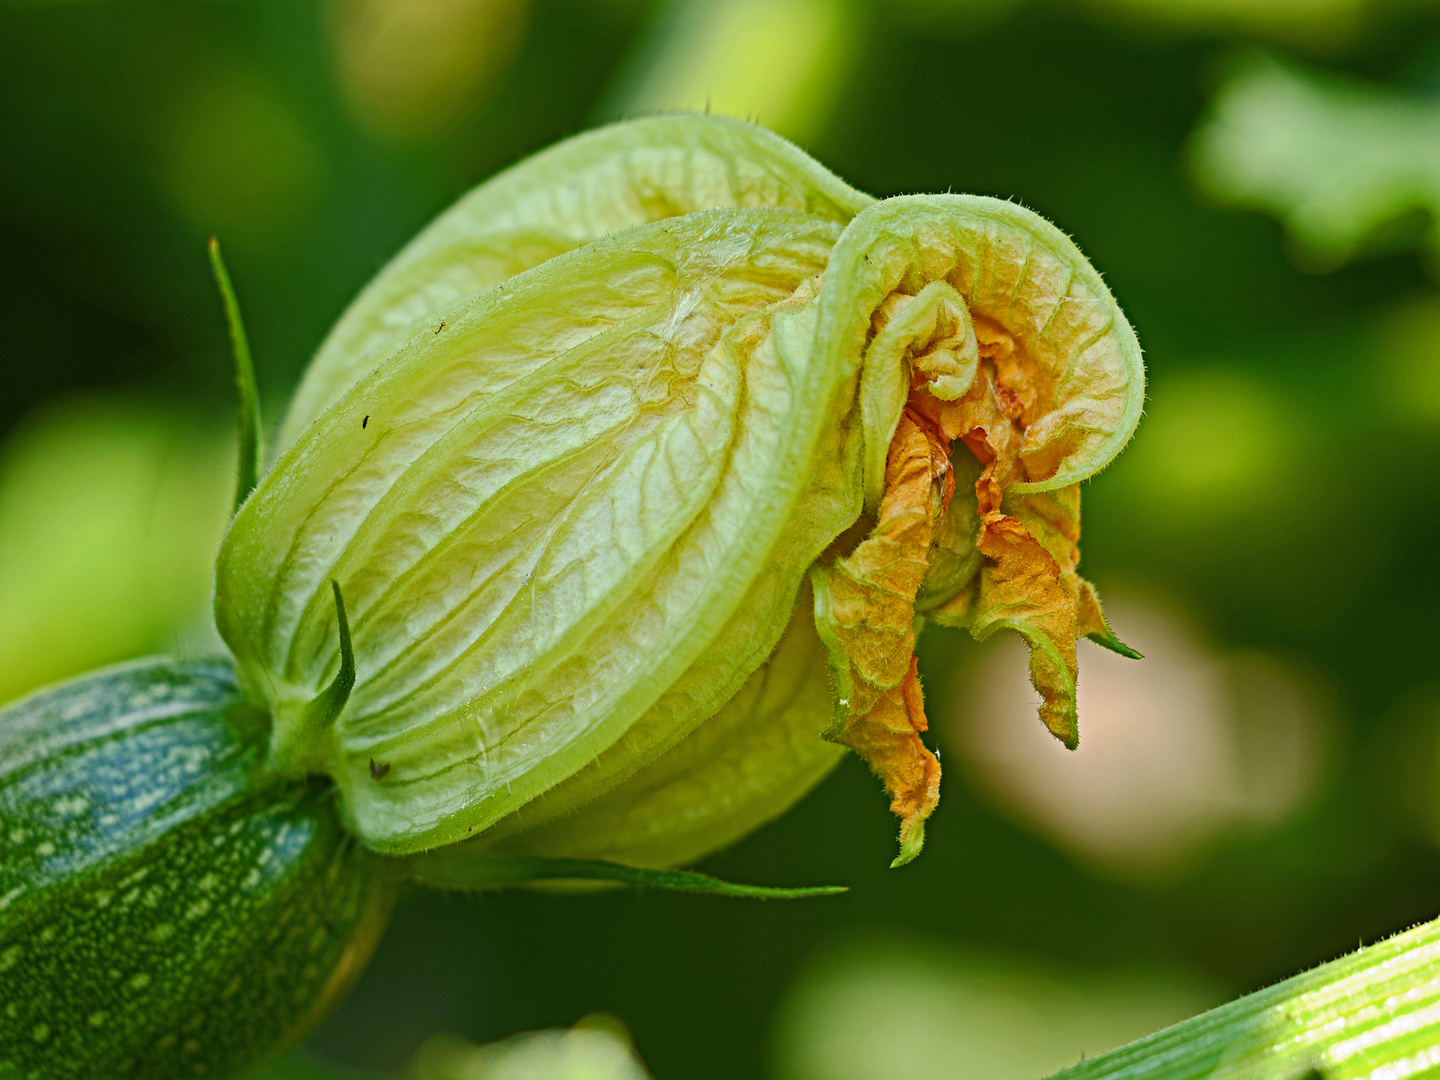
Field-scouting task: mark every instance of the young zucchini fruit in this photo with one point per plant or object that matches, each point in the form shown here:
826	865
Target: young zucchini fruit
167	908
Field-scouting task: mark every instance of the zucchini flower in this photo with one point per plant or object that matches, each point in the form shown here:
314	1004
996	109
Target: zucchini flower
639	470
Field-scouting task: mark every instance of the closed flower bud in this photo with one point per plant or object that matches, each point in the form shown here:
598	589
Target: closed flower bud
637	472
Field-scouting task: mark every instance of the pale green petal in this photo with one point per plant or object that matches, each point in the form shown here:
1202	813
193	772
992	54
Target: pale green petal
1012	266
571	517
744	766
570	449
577	191
885	377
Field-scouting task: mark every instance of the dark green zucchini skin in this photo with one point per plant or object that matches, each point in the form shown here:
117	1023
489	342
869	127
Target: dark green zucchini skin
167	909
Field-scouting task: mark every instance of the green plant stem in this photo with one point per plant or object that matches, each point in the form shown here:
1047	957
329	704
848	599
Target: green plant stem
1374	1013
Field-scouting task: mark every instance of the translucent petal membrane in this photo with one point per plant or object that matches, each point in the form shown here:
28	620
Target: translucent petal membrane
579	513
747	764
572	518
577	191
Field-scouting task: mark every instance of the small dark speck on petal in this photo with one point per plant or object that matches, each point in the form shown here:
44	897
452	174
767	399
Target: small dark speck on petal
366	421
378	769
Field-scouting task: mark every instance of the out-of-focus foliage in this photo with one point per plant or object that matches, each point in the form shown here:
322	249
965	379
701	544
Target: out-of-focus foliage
596	1048
412	70
1335	159
109	511
257	181
781	63
304	1067
888	1008
1408	370
1312	22
1221	444
1275	516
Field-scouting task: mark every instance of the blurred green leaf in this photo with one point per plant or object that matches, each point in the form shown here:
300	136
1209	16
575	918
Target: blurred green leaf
1218	445
301	1066
240	159
781	63
883	1008
1312	22
1335	159
110	514
415	71
597	1048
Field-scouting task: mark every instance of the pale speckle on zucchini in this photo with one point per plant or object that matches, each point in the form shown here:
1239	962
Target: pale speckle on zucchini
166	908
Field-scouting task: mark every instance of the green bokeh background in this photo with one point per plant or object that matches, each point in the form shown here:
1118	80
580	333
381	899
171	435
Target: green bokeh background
1284	492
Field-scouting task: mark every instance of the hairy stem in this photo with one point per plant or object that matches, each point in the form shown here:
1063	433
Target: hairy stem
1374	1013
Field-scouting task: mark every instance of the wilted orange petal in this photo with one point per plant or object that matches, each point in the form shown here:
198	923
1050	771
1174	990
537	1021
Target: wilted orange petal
865	609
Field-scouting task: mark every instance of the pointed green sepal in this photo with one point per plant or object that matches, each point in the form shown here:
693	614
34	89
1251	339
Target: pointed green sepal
1097	626
305	748
247	473
911	844
1108	640
438	869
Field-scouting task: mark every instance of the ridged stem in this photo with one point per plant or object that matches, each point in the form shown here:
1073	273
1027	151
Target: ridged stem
1374	1013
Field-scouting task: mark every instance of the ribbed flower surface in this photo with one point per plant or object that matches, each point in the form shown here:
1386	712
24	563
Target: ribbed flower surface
578	456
